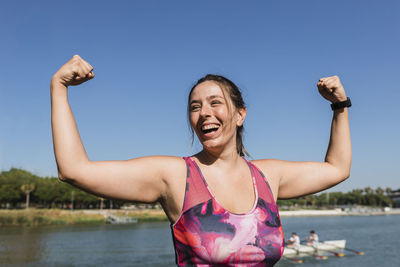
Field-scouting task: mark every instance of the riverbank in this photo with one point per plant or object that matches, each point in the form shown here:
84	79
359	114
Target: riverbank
338	212
38	217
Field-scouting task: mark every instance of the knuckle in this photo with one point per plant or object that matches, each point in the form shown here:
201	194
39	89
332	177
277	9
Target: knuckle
74	68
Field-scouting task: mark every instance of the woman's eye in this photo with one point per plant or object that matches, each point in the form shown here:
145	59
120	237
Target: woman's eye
194	108
215	102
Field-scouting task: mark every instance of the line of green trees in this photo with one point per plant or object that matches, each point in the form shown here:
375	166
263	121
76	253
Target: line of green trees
362	197
20	188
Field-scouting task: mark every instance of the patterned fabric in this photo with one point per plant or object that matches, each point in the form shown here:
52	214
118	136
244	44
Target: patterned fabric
208	235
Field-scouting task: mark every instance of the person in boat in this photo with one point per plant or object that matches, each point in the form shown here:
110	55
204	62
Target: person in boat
294	241
312	239
222	207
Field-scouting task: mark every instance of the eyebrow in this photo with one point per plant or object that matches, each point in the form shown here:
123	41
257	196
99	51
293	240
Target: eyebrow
214	96
208	98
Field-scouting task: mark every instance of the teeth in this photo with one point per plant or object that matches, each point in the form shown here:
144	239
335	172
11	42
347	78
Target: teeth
209	126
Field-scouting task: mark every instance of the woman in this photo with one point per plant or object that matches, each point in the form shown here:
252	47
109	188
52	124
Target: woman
222	207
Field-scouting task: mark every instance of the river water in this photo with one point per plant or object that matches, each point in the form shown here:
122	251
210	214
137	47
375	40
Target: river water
150	244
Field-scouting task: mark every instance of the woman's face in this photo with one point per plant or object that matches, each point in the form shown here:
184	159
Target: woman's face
213	118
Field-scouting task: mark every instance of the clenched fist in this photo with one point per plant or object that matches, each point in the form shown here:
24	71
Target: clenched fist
331	89
74	72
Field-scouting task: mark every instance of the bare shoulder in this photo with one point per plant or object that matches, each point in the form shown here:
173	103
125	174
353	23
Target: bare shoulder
173	167
174	177
269	166
271	170
168	167
299	178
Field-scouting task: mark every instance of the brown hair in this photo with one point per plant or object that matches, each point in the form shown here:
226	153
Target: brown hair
228	88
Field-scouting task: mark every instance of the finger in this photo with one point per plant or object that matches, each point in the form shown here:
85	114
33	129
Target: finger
91	75
81	73
88	67
335	77
325	88
88	70
329	80
320	84
333	83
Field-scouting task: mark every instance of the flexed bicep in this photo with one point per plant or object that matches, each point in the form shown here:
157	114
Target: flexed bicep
142	180
290	179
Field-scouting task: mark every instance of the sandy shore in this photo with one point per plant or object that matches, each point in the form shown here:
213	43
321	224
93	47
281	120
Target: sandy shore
337	212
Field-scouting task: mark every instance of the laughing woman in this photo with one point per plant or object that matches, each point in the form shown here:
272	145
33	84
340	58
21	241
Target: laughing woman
222	207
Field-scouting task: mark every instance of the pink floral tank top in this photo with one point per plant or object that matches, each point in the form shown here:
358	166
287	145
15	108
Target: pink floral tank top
206	234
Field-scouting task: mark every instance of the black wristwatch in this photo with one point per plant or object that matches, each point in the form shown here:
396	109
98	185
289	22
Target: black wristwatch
343	104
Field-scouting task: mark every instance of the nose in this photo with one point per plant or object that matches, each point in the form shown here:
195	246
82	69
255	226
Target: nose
205	111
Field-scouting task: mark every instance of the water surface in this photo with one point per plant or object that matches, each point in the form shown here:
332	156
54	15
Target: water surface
150	244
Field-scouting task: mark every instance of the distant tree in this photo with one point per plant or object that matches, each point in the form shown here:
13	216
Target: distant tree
368	190
101	203
379	191
51	192
388	190
322	200
27	189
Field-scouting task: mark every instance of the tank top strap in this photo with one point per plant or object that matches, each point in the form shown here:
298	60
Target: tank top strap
263	187
196	191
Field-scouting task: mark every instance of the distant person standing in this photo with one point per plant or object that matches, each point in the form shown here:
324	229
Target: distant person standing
312	239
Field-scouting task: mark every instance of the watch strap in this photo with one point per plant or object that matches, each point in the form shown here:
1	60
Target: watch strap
342	104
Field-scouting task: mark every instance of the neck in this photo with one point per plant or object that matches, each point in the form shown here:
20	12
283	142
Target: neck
208	157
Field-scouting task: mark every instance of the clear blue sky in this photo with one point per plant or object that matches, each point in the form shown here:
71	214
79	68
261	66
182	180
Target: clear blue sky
147	55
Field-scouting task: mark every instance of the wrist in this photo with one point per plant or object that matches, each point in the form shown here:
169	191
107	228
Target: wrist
340	99
57	88
57	82
341	104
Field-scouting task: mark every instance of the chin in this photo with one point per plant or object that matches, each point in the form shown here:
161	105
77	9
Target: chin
211	145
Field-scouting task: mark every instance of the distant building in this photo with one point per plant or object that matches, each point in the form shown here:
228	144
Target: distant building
395	196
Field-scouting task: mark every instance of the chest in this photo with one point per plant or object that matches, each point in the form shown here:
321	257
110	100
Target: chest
233	190
208	234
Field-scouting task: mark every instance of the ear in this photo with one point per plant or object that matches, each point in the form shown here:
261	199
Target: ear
241	115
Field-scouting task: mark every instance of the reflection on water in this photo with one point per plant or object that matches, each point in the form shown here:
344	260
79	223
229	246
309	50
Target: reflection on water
150	244
107	245
19	245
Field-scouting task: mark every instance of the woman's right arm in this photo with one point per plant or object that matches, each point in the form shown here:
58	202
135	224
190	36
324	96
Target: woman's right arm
142	179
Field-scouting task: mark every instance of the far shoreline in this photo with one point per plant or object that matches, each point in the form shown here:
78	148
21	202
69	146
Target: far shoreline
337	212
47	217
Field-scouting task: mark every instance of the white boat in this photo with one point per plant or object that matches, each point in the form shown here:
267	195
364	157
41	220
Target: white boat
113	219
332	245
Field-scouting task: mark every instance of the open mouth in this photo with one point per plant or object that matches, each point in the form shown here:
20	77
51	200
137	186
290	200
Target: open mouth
210	128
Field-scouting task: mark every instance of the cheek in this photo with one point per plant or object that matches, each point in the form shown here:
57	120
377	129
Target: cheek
222	113
227	118
193	121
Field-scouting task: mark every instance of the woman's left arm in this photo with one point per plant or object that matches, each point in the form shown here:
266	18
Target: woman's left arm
294	179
